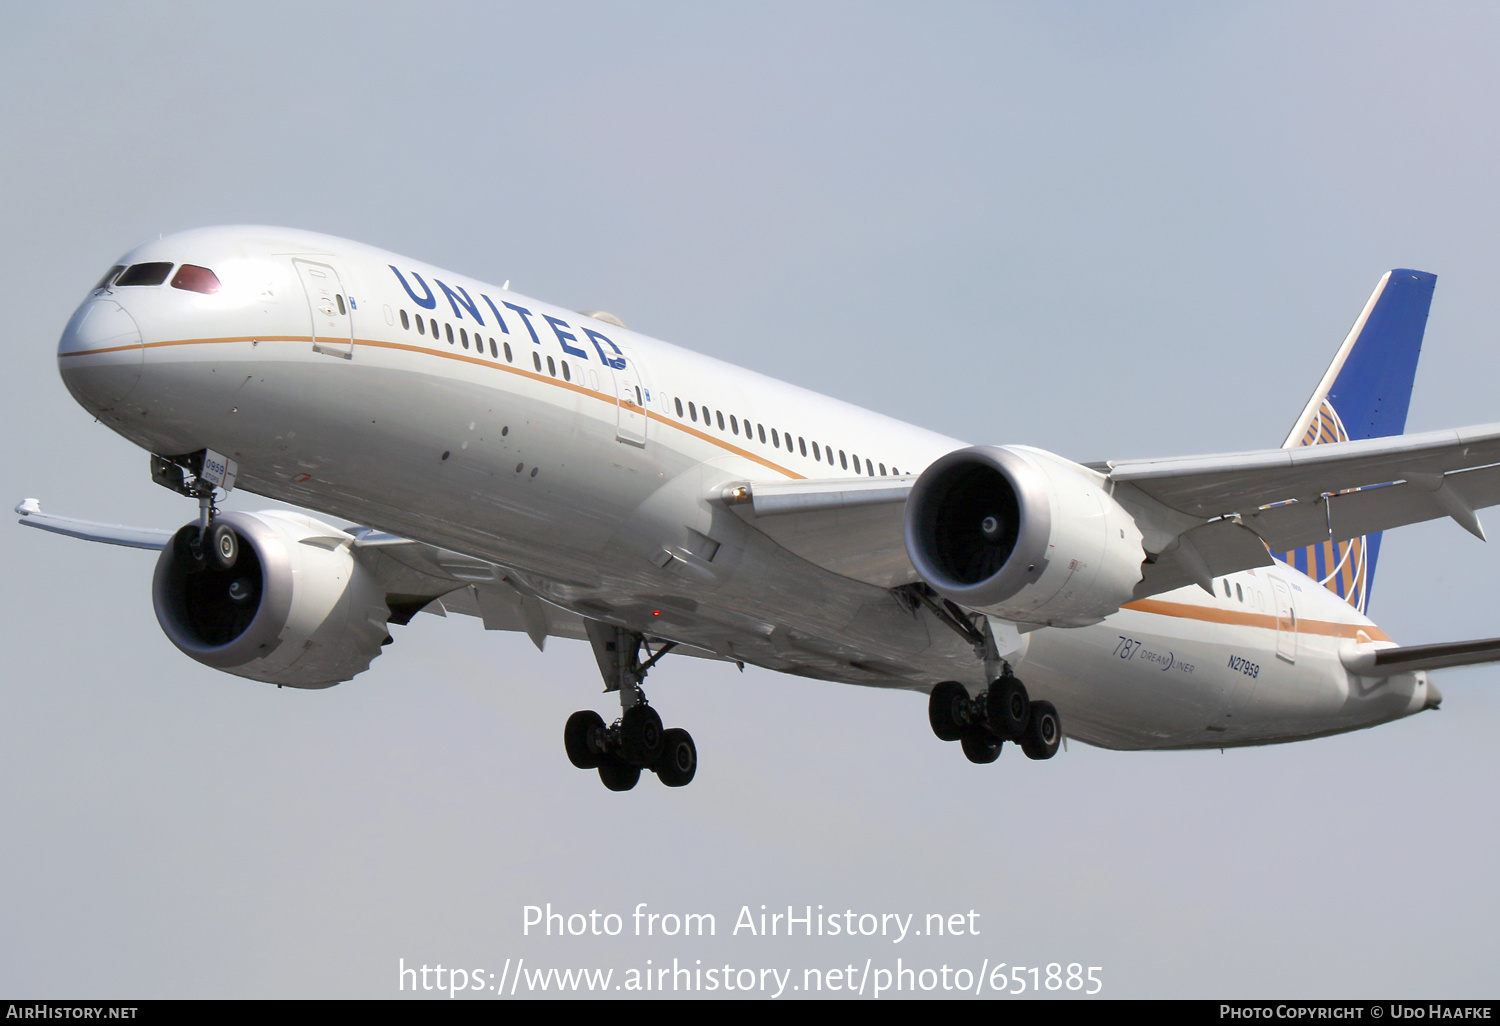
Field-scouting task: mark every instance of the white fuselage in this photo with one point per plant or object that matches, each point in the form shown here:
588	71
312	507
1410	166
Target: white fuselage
561	454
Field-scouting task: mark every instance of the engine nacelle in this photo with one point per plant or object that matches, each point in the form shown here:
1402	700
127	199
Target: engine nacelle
1023	535
296	608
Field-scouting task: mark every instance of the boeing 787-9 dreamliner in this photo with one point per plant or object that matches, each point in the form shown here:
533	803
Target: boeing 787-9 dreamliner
554	473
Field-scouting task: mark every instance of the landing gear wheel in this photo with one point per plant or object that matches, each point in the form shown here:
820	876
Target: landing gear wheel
947	710
582	738
980	746
679	758
617	774
1043	732
186	548
1007	708
640	736
223	546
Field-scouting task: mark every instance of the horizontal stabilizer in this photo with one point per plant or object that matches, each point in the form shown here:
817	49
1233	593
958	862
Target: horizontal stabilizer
1385	662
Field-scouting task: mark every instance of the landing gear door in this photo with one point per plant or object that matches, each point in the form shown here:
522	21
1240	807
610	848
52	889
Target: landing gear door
332	322
631	396
1286	621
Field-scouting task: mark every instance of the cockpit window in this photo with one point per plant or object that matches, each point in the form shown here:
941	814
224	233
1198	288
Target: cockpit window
144	274
109	277
195	279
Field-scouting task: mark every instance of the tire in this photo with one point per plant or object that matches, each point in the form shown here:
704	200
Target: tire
1043	732
617	774
640	736
679	758
186	548
980	747
947	709
1007	709
223	546
581	738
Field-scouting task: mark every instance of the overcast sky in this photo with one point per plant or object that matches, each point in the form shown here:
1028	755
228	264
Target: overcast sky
1108	230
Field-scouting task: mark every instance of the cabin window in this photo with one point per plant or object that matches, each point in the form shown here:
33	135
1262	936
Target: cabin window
508	357
720	416
493	351
775	439
870	469
449	329
734	425
638	400
421	325
1239	592
678	401
144	274
192	278
551	367
536	361
337	297
433	322
567	374
405	321
844	461
465	336
802	444
692	412
882	468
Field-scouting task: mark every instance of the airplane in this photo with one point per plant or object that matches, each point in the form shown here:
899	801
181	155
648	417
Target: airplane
553	473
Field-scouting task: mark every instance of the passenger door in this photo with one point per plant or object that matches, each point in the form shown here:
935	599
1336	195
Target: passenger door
630	395
1286	620
332	320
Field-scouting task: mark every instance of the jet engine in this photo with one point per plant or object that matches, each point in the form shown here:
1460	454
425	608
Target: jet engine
1023	535
282	600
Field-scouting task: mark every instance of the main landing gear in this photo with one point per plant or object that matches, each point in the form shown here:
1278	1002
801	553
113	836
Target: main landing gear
636	741
1002	713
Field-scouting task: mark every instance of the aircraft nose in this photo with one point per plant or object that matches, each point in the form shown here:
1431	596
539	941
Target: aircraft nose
100	353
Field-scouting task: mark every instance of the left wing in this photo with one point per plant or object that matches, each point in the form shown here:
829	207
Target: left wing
1202	516
1205	516
851	526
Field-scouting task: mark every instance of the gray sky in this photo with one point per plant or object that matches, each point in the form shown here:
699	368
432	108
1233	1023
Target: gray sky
1108	230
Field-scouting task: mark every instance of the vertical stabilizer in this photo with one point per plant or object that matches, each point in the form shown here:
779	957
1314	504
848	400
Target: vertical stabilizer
1364	393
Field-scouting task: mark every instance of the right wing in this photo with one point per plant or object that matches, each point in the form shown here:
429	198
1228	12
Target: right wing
416	576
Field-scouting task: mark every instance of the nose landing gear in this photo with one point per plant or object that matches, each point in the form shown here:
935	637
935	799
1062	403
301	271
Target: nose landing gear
197	475
636	741
1002	713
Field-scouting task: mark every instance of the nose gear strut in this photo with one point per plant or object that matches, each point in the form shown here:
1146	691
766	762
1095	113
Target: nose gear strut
199	475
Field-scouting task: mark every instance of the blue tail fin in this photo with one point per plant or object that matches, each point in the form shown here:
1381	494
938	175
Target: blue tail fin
1364	394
